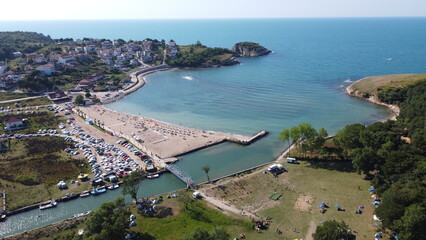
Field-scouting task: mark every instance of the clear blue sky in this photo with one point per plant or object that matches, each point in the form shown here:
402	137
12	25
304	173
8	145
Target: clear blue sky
154	9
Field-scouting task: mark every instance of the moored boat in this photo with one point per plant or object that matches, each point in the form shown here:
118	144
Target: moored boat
85	194
3	215
153	176
98	191
50	204
114	186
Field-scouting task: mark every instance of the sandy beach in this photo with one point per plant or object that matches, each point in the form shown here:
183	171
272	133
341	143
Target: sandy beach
158	139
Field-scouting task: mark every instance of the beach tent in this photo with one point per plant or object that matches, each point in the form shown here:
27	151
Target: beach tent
128	236
378	235
374	196
132	217
132	224
321	206
337	205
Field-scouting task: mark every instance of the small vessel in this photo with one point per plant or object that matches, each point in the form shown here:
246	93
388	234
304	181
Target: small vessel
3	215
113	187
81	214
153	176
389	59
98	191
50	204
85	194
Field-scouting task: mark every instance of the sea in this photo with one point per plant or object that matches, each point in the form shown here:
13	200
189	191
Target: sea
313	60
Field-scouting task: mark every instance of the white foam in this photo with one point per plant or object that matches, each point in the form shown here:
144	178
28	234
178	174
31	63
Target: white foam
190	78
347	81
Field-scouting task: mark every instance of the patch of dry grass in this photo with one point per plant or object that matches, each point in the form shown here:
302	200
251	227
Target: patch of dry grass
371	84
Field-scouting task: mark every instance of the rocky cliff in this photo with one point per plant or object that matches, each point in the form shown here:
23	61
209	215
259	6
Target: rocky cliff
250	49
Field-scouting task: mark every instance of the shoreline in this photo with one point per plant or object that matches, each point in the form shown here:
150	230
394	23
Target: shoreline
395	110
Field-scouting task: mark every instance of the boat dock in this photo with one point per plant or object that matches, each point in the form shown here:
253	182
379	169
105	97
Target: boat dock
250	140
186	178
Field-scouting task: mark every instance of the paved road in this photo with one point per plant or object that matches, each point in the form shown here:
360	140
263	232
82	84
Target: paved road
20	99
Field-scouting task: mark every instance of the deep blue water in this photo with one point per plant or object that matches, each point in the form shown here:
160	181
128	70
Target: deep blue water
302	81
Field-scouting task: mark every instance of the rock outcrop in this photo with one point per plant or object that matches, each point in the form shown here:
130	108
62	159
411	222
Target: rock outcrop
250	49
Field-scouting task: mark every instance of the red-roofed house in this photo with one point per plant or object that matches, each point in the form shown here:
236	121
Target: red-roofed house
58	96
46	69
13	123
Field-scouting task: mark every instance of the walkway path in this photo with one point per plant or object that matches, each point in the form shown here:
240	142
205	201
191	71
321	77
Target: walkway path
227	207
20	99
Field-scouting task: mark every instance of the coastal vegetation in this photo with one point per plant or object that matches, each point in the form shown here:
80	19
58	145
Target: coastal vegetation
25	42
172	221
32	168
306	138
131	184
198	55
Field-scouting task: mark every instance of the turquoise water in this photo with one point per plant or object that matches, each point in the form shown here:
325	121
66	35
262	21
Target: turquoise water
302	81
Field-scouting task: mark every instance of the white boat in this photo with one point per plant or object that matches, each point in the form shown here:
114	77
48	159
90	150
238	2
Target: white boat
85	194
153	176
51	204
112	187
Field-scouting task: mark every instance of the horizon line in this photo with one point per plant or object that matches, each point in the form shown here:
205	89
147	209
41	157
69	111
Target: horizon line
230	18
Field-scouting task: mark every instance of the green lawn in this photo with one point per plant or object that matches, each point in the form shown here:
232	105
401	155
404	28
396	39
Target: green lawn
33	167
303	187
42	120
27	103
12	95
371	84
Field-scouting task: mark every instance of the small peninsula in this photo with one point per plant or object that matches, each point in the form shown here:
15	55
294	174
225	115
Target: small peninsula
198	55
386	90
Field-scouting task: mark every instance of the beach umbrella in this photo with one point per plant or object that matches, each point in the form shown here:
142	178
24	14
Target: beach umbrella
374	196
337	205
378	235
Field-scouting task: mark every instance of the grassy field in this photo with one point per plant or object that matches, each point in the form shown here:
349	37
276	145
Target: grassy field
36	121
371	84
12	95
303	187
33	167
27	103
173	221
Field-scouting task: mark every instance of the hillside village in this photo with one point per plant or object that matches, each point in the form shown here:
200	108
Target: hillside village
65	61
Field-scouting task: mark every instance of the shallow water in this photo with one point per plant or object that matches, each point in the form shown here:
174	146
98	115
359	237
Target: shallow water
302	81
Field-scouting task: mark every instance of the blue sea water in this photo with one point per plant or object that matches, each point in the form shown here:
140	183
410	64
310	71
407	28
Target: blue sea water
303	80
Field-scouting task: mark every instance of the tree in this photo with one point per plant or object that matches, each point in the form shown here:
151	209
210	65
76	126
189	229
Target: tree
109	222
131	184
79	100
411	225
206	169
202	234
88	95
332	230
294	134
285	137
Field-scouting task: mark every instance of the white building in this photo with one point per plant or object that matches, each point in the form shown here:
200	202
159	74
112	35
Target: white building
14	123
47	69
3	67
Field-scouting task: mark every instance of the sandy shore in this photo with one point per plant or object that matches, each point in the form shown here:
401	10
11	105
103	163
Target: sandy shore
373	99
